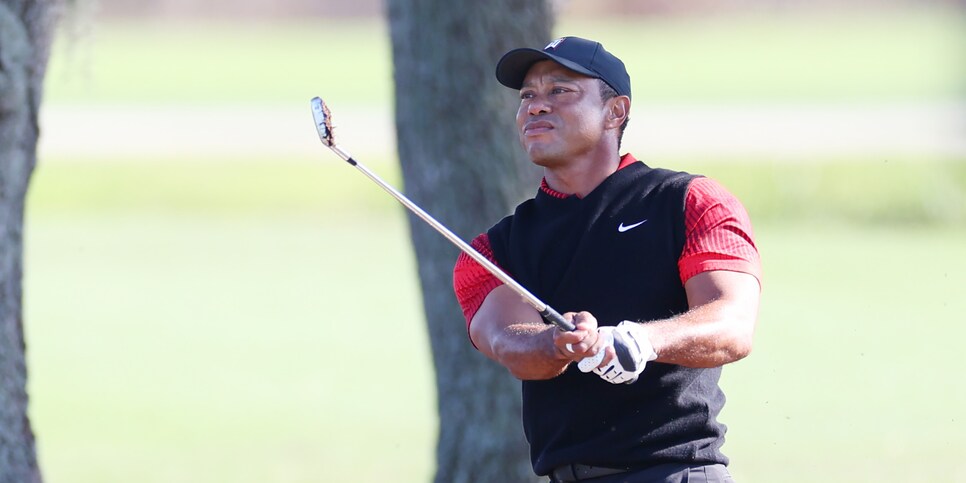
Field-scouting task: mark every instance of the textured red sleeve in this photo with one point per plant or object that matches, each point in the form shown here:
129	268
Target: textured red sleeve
718	233
471	282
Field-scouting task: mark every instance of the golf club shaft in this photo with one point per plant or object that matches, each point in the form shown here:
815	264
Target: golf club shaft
547	312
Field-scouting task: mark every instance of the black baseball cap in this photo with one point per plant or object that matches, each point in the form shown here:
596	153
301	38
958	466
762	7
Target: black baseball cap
577	54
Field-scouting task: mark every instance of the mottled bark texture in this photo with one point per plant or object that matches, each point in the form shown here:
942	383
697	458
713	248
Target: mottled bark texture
461	162
26	28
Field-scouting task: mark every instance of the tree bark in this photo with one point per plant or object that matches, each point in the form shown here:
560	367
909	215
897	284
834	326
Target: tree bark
26	28
461	162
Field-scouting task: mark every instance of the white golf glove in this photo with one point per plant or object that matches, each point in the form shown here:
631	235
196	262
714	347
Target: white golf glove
588	364
633	349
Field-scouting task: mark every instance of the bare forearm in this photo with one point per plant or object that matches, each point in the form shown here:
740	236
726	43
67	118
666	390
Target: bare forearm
512	333
711	335
527	351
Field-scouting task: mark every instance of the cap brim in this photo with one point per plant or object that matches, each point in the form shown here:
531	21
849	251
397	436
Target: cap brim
514	65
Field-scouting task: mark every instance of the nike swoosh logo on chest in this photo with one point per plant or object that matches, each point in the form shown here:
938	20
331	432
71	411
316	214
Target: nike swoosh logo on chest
622	227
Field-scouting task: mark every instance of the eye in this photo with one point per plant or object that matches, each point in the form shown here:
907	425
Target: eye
559	90
526	94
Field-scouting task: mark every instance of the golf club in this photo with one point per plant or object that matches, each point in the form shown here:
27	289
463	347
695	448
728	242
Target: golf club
323	125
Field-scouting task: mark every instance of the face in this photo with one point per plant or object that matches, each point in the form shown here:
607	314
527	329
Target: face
561	116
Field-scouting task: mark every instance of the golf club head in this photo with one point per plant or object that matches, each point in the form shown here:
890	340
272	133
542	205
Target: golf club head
323	121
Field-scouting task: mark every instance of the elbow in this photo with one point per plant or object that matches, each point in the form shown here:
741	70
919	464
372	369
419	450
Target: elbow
741	345
740	350
534	374
740	335
506	357
527	366
731	345
522	374
721	354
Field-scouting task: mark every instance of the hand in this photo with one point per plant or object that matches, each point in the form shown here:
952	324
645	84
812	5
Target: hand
590	363
633	351
583	345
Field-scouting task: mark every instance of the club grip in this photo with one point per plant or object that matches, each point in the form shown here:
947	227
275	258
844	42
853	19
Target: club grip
554	317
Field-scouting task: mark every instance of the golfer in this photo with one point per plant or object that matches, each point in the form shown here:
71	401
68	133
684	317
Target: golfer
661	261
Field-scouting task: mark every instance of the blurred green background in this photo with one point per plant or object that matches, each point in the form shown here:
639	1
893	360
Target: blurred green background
199	270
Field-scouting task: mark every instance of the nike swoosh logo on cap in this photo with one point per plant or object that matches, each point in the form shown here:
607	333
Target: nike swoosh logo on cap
622	228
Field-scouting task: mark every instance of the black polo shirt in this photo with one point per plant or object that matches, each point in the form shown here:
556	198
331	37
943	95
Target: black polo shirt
614	254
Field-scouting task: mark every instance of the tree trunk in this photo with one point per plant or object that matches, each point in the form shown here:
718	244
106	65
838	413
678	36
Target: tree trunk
26	28
462	163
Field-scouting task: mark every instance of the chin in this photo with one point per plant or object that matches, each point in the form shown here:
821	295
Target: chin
543	158
543	161
547	161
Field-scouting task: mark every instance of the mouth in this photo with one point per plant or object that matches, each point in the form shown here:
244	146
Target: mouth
536	127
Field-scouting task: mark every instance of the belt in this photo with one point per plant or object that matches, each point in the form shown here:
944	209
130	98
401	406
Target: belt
571	473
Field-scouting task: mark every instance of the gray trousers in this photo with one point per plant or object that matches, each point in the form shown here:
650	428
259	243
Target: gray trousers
670	473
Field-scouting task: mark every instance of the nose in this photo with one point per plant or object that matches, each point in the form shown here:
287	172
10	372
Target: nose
538	105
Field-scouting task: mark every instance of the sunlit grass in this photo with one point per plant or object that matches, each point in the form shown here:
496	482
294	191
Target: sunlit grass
220	62
866	56
206	186
903	191
177	331
806	56
866	190
203	319
199	348
856	357
251	349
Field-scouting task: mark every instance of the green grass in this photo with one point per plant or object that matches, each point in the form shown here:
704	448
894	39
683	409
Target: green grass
176	336
220	62
199	320
809	56
863	190
865	56
901	191
179	348
854	372
194	186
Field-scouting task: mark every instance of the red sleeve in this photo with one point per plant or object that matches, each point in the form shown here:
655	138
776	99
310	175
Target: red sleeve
718	233
471	282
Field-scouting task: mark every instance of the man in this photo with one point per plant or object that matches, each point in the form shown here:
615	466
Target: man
657	263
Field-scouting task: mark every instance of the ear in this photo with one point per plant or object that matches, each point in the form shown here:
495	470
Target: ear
618	108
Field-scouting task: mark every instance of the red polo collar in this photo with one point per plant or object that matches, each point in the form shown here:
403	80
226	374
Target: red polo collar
626	160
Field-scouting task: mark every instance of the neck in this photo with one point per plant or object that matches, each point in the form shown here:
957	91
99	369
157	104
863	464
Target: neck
580	178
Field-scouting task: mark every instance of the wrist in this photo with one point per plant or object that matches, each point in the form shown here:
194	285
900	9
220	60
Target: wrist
554	352
643	337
